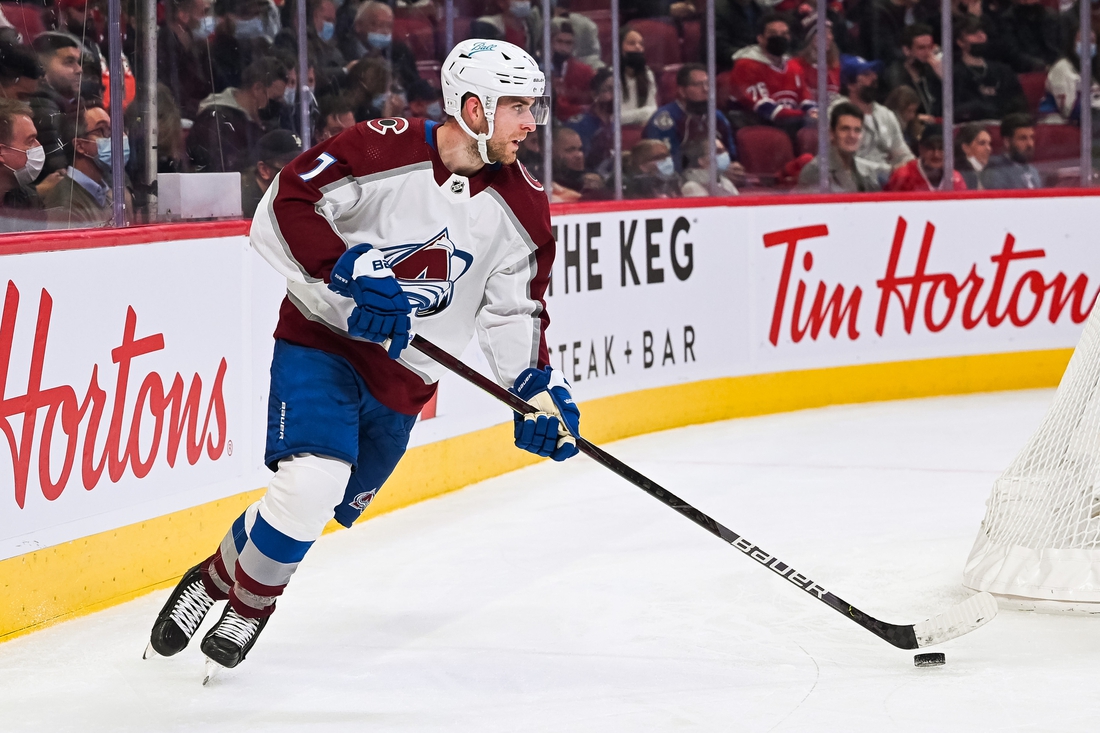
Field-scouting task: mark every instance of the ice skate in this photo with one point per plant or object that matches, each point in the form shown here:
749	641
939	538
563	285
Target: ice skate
180	617
230	640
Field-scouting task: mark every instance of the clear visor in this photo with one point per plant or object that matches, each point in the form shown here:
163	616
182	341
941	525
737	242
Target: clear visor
540	110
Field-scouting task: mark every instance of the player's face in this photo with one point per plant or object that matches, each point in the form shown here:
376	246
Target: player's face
512	123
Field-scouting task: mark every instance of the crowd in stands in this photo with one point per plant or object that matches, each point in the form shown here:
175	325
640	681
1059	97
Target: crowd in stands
229	94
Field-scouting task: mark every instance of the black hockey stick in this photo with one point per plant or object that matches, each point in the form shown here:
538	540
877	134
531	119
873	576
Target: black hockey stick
960	619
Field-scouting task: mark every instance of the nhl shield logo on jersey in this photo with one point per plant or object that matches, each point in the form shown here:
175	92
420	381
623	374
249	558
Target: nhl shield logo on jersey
427	271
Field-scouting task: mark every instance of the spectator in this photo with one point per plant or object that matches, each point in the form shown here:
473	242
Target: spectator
984	90
882	27
238	39
975	145
273	151
228	124
321	47
905	104
1014	168
336	115
1028	36
515	21
696	174
530	153
569	77
1062	102
21	160
372	38
72	17
735	23
596	126
183	56
571	180
649	172
58	90
585	33
83	198
425	102
638	83
372	92
805	62
920	69
882	144
685	119
767	84
848	173
20	72
926	172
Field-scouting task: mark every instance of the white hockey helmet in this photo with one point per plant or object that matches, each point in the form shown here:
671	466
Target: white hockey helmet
491	70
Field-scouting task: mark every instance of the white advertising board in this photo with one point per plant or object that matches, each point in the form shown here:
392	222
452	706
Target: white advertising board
134	378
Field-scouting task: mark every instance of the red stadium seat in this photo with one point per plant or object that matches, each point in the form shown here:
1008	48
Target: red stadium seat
807	140
583	6
691	36
1035	88
997	141
602	19
429	72
26	18
666	84
723	91
1057	142
469	8
662	44
418	34
763	150
631	135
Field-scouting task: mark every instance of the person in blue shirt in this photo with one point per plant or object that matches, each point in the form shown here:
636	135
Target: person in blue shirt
686	118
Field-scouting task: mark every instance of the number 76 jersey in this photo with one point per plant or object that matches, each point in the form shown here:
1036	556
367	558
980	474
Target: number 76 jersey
472	254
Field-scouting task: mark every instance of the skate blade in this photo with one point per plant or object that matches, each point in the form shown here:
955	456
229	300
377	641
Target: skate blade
212	669
150	652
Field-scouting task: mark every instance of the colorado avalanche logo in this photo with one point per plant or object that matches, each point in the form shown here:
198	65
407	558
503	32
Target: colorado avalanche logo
361	501
427	271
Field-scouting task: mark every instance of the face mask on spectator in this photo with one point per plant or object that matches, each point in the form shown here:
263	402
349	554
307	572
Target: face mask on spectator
560	58
520	8
635	60
665	167
379	100
205	29
435	110
36	158
379	40
251	28
696	108
777	45
722	161
103	151
867	94
328	30
978	49
1091	51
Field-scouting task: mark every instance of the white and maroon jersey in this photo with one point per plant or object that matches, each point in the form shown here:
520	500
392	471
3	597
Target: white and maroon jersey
472	254
772	92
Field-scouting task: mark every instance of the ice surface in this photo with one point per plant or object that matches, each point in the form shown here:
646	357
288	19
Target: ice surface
560	598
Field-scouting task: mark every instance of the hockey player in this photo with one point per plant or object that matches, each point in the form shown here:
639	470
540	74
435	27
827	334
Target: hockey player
392	226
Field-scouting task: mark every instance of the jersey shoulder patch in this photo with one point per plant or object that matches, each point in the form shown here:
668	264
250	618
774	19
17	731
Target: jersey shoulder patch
663	121
384	125
531	180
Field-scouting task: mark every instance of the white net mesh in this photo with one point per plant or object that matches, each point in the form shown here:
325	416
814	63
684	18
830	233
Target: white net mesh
1041	534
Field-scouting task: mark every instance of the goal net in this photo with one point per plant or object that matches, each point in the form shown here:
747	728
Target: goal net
1040	538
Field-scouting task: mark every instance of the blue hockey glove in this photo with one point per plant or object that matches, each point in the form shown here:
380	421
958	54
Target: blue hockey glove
551	429
382	308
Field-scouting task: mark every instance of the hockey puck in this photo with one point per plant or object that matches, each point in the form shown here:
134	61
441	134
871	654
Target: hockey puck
932	659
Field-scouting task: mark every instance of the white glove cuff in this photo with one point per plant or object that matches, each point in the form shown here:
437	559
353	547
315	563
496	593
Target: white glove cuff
371	264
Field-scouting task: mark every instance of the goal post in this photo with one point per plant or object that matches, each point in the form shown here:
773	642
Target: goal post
1040	538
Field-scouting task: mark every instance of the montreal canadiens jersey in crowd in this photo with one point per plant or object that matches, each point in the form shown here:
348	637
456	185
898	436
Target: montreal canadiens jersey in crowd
472	254
772	92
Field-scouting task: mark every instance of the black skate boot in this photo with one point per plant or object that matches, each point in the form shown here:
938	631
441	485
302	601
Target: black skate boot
232	638
180	618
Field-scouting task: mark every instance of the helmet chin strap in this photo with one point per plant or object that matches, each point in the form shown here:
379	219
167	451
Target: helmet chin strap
481	137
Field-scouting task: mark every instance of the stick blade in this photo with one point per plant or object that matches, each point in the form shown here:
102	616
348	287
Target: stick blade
974	612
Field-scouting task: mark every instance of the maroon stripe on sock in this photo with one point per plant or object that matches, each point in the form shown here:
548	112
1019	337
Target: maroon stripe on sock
209	565
253	586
